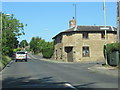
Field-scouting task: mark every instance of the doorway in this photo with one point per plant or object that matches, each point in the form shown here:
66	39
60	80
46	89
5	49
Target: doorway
69	51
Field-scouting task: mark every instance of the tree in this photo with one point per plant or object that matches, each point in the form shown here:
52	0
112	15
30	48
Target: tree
38	45
34	44
23	43
11	30
48	50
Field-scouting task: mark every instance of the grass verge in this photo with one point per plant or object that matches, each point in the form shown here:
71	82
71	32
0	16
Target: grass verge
5	60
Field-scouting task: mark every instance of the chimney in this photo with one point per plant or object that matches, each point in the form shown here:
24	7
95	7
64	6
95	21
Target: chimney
72	23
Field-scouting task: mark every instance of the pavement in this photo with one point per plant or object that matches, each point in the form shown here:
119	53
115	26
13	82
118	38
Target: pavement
109	70
98	67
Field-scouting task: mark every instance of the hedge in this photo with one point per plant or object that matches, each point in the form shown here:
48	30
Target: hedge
47	52
111	47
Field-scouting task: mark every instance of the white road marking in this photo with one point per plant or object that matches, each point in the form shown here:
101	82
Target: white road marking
69	85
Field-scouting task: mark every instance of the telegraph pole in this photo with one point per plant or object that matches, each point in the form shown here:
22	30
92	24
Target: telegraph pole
75	11
75	17
104	8
118	21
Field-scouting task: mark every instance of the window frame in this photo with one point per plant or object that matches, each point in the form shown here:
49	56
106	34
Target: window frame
87	51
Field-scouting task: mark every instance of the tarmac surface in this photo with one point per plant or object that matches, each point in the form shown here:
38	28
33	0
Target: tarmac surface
97	67
109	70
48	73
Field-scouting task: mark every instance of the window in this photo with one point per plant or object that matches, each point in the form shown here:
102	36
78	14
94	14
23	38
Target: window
20	52
85	52
102	35
61	53
85	35
56	54
60	39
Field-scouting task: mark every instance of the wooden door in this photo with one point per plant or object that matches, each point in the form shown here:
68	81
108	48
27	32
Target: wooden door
69	51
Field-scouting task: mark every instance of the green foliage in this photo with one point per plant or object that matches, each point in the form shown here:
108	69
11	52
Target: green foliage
118	66
23	43
27	49
11	29
17	49
1	65
112	47
38	45
47	52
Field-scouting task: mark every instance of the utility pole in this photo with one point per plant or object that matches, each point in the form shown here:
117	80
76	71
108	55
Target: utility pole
104	8
75	17
75	11
105	28
118	21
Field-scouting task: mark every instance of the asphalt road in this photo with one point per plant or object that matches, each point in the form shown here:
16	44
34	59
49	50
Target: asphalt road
43	74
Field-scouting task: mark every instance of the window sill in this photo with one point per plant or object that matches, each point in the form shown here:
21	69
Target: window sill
85	38
86	56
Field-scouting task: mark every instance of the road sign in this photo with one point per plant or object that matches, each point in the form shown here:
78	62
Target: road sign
104	28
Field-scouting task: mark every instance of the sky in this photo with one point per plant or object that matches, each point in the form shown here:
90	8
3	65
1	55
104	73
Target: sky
46	19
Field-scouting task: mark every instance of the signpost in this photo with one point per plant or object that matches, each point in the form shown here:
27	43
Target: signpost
104	28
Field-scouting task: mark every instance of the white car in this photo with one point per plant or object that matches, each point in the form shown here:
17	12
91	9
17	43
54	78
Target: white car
21	55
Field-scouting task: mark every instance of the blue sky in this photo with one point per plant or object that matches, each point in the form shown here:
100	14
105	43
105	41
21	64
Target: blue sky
46	19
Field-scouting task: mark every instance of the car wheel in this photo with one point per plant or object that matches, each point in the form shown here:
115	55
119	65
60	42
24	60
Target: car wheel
15	60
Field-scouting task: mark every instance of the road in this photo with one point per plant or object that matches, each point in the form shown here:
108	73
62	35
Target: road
43	74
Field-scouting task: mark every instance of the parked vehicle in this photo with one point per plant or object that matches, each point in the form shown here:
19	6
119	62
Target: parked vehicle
25	51
21	55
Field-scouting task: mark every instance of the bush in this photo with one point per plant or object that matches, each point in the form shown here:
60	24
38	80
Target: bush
112	47
17	49
109	48
47	52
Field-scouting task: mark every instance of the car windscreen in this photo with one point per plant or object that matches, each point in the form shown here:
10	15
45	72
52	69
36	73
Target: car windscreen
20	52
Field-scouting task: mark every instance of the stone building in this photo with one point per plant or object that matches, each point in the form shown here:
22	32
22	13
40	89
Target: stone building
82	43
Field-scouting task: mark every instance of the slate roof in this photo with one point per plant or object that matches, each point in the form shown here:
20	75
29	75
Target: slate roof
88	29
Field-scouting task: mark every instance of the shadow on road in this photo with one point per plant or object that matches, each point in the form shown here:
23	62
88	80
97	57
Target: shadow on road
29	82
44	83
